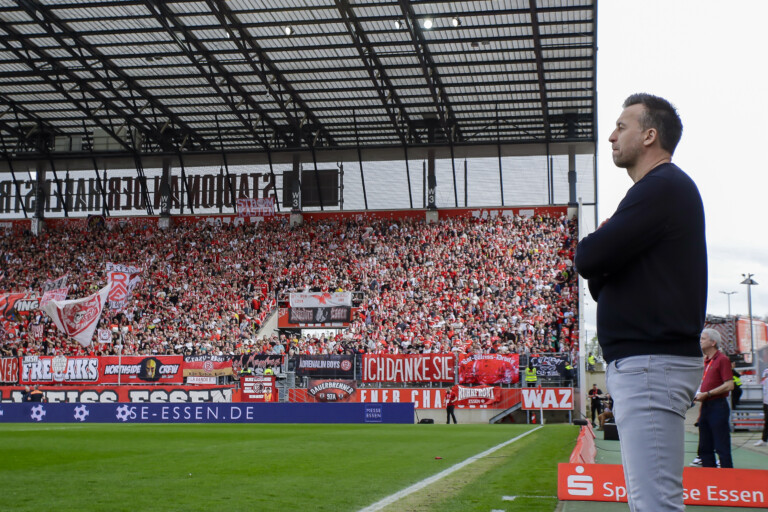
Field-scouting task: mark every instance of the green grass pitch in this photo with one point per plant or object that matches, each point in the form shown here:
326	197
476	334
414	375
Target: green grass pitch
114	467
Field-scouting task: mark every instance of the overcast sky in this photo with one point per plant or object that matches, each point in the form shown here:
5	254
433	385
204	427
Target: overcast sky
708	59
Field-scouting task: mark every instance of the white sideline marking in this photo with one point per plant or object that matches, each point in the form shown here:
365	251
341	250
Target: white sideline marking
512	498
385	502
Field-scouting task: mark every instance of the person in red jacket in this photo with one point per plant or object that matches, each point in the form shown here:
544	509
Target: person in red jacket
450	404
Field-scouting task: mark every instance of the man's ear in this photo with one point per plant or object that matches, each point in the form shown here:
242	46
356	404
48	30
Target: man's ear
651	135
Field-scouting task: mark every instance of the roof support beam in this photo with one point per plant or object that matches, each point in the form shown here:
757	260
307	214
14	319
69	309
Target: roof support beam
166	17
227	18
376	72
445	113
52	79
62	30
540	68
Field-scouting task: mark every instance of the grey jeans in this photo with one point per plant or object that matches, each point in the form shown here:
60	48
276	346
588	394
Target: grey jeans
651	396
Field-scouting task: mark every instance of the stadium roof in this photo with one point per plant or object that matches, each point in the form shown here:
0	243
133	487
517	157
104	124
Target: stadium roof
254	75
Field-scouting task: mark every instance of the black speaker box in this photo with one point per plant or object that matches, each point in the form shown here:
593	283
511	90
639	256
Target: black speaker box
610	432
426	421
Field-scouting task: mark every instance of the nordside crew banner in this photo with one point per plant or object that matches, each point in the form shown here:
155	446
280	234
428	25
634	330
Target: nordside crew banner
101	370
408	367
489	369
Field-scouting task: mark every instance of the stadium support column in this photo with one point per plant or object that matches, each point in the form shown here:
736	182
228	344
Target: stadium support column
164	222
572	202
41	193
297	219
432	214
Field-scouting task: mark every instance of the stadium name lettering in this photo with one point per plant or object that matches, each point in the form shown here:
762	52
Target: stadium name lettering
126	193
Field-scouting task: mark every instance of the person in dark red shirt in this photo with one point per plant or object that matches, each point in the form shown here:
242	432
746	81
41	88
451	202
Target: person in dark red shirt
450	405
717	382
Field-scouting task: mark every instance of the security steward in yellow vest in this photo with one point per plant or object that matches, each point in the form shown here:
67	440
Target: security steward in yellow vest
736	393
591	362
568	373
531	376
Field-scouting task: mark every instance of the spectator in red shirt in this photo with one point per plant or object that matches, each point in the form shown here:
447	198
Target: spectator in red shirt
717	382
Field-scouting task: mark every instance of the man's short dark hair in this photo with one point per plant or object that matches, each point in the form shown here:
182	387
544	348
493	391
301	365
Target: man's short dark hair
661	115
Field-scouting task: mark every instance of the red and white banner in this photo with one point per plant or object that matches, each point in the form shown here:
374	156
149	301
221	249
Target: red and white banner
101	370
477	395
489	369
259	389
701	486
207	366
13	306
78	318
320	300
331	390
408	368
54	290
422	398
261	207
104	336
135	394
36	330
123	279
9	370
547	399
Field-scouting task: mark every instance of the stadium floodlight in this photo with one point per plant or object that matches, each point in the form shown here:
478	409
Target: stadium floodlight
398	24
288	30
750	283
455	21
427	23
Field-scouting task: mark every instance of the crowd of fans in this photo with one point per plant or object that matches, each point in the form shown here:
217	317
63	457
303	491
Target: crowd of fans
500	284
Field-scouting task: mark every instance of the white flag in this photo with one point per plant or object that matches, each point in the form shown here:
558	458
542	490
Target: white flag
78	318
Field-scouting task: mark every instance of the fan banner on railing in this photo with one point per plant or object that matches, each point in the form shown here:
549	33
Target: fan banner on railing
161	369
477	395
208	366
408	367
319	315
323	366
78	318
320	299
9	370
331	390
489	369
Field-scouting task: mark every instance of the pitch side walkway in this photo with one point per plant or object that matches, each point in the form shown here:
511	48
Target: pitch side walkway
745	456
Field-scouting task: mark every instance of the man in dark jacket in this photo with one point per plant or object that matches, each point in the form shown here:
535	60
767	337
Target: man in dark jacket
647	270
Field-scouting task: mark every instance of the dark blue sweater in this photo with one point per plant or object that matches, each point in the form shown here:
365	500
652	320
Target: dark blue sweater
647	269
